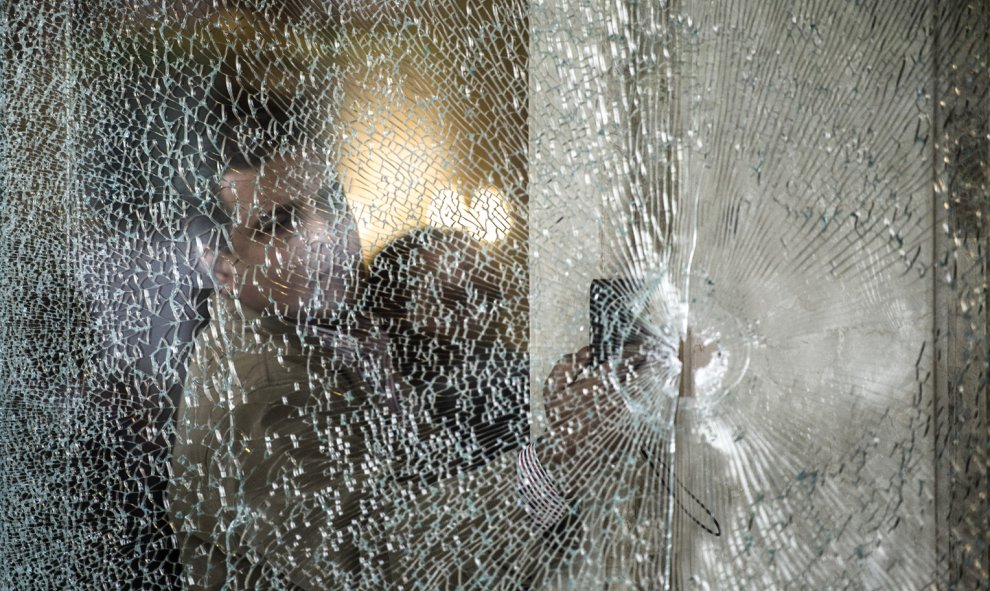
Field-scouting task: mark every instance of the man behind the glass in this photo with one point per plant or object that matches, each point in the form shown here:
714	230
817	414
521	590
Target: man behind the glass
294	436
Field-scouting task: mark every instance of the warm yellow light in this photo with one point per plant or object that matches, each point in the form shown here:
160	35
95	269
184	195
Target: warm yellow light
485	217
445	210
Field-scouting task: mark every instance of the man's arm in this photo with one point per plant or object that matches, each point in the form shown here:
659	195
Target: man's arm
496	527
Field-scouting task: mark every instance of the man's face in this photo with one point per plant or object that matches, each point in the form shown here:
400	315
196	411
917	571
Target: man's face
295	247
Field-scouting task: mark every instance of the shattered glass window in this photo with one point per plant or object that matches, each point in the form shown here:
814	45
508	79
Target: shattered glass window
494	294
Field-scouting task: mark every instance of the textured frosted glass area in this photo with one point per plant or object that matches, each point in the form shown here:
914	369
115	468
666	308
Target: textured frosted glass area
770	185
456	294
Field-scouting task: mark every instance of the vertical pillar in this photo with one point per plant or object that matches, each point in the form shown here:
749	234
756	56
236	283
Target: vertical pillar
961	161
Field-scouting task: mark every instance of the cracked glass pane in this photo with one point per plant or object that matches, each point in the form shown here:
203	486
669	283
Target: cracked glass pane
456	294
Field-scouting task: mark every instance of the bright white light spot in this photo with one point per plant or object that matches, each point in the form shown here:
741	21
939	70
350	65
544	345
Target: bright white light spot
485	217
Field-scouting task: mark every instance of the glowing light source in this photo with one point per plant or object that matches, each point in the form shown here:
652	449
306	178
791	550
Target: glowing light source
485	217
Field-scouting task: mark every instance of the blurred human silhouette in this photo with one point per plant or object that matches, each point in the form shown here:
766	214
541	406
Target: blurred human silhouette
302	457
438	293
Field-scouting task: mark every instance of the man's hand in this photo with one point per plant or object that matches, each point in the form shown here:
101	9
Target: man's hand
586	415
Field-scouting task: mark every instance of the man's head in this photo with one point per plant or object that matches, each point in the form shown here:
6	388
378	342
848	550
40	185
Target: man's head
440	284
291	247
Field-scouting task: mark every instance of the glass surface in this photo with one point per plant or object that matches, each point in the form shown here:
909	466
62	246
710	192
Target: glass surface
295	292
